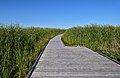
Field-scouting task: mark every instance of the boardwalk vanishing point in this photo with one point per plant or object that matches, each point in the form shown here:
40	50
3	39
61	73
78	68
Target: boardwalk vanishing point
59	61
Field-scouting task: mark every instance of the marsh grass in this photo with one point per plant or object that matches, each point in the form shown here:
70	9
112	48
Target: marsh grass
19	47
103	38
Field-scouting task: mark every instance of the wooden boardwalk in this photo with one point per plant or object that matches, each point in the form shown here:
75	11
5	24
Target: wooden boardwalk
59	61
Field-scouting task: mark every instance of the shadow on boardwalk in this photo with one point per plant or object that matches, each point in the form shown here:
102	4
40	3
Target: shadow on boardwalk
58	61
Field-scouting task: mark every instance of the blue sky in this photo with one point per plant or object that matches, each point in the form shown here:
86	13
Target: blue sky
59	13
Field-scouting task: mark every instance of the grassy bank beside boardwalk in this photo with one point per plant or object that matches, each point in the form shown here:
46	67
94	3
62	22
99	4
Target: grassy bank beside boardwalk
103	38
19	47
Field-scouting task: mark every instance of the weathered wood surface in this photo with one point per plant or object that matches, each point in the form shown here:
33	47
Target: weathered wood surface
59	61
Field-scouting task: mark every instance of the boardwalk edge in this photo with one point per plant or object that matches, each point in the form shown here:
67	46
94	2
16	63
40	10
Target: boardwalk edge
105	56
36	61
